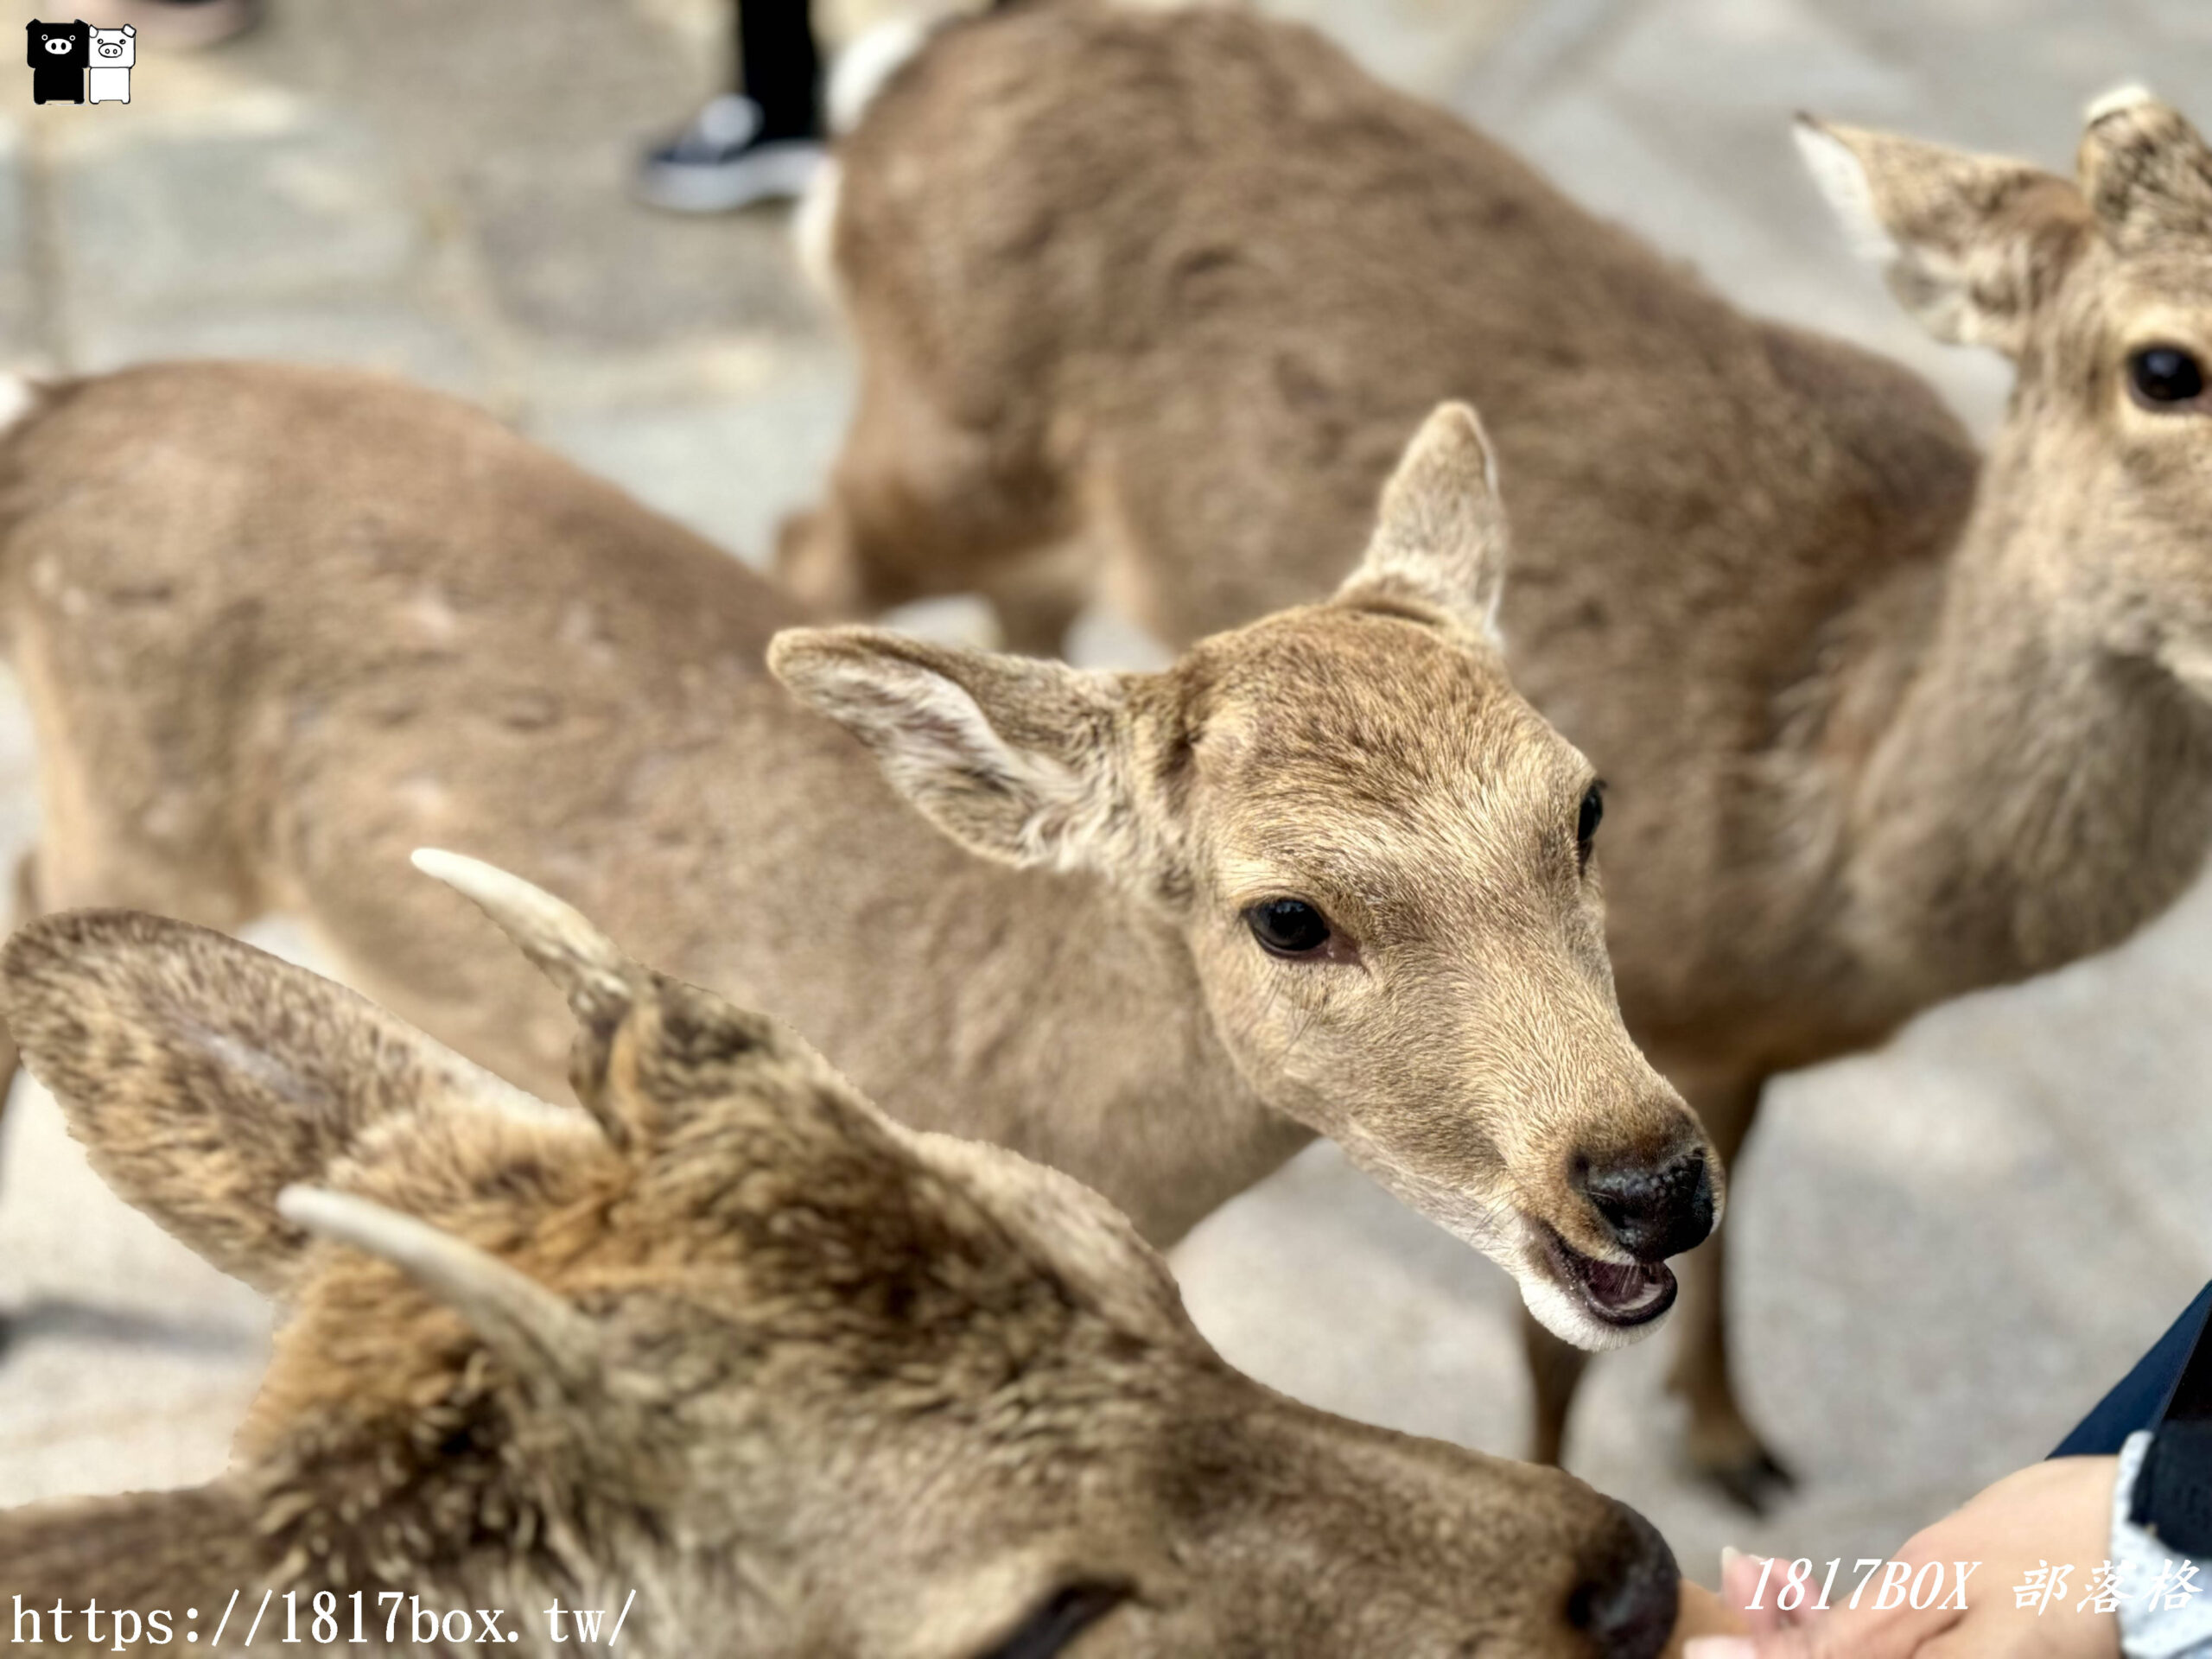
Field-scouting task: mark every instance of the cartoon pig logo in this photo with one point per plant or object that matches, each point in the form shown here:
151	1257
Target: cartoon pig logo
114	50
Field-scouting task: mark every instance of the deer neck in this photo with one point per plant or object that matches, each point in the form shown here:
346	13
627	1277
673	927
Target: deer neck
2039	794
1048	1013
1148	1105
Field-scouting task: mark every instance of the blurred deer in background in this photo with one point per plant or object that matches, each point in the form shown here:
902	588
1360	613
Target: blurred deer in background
1148	300
1327	873
728	1341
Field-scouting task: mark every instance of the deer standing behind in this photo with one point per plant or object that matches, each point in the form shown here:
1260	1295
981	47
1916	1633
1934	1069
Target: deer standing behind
730	1341
1326	874
1147	299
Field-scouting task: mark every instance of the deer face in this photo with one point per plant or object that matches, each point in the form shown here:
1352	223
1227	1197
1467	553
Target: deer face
806	1381
2100	291
1437	997
1380	859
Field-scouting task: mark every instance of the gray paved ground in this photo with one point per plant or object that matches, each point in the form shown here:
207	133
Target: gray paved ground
1949	1246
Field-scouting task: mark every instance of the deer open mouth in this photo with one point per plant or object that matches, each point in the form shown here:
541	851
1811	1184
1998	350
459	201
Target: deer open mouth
1624	1295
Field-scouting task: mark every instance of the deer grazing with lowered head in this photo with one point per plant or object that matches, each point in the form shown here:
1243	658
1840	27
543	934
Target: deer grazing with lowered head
1327	873
1148	300
729	1352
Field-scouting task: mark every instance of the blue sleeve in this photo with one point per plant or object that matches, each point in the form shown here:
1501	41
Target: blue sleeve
2136	1400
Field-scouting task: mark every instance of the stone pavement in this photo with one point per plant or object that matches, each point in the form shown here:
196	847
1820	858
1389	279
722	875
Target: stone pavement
1949	1247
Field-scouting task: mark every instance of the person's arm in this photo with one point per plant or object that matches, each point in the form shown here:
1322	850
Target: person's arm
2140	1398
2160	1544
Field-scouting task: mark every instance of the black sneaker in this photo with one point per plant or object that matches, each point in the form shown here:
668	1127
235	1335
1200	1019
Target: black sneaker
719	162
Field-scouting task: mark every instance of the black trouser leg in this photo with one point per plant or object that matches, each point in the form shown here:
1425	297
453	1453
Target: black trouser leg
778	68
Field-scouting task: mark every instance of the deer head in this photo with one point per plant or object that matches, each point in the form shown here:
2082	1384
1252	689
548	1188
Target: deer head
2099	291
807	1382
1379	858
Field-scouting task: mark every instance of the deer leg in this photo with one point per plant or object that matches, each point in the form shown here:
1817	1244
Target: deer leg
1038	598
1555	1370
920	505
1035	624
1724	1448
821	562
841	557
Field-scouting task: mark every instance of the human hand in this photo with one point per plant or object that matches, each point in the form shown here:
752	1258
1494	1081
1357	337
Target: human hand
2049	1514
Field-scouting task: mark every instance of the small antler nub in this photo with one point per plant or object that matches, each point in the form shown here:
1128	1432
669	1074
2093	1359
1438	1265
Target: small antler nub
540	1333
599	980
2119	97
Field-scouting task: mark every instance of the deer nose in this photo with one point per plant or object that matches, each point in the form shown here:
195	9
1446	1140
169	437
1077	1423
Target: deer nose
1628	1603
1654	1211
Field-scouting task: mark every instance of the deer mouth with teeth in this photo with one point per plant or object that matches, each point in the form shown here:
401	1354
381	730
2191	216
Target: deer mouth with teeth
1635	1213
1622	1294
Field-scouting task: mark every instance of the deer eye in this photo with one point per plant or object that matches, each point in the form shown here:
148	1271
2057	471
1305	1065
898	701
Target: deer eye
1586	821
1067	1614
1288	927
2164	375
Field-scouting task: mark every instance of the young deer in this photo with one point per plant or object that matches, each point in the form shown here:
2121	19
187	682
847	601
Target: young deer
1327	873
1147	299
730	1341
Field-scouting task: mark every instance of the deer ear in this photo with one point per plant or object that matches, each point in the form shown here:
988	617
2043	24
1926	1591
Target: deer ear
204	1076
1970	245
1440	536
2146	172
1017	759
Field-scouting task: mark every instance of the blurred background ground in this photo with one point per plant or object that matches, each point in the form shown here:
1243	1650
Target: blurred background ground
1948	1247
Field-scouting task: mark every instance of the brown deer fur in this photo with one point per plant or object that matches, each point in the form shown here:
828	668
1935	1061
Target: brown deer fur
276	627
1148	300
804	1383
